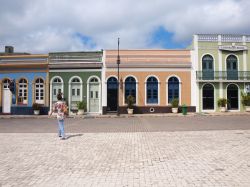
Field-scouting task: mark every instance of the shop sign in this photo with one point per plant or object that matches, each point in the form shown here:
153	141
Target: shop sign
233	47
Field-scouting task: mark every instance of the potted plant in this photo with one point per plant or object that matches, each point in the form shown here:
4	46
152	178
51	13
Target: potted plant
175	104
245	100
130	103
81	105
222	102
36	108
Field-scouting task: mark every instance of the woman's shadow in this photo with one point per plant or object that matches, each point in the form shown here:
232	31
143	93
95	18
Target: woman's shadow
73	135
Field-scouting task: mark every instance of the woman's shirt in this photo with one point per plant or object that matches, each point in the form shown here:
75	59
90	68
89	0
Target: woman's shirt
59	107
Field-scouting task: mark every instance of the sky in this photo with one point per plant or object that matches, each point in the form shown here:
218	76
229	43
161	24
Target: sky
41	26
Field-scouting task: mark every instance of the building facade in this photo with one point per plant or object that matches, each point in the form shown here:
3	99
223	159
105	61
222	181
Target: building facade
78	76
29	76
153	77
221	69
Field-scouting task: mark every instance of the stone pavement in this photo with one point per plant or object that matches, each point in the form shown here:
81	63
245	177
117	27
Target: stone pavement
133	115
184	158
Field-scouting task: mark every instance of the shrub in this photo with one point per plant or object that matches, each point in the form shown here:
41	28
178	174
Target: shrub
36	106
175	103
245	99
81	105
222	102
130	101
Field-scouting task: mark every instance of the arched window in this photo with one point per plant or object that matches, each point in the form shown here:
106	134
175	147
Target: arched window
94	80
130	88
232	67
233	97
208	97
57	80
207	67
173	89
6	83
23	91
57	87
112	87
75	86
152	90
39	91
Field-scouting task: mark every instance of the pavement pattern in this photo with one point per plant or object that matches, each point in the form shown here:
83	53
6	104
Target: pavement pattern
181	158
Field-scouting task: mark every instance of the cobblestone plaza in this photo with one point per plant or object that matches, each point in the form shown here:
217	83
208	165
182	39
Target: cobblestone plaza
147	158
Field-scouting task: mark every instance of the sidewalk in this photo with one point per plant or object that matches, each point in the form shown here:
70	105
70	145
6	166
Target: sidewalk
133	115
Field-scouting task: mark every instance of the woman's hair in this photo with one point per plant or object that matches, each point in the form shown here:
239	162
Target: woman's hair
59	96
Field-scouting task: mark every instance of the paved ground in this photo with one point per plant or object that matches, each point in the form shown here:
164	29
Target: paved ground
131	124
200	151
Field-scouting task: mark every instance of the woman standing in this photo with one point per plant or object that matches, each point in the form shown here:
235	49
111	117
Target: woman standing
61	109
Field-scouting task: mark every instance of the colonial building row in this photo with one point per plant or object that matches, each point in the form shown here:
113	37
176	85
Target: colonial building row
215	66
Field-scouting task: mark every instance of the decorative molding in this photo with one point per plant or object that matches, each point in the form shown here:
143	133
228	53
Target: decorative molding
75	70
231	38
233	47
223	38
208	37
149	69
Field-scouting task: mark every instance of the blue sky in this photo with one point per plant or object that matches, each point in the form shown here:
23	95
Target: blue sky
166	40
43	26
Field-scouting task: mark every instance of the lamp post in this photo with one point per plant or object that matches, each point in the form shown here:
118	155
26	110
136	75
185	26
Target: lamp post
118	76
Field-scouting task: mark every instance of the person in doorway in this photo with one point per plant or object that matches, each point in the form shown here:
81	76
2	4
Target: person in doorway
61	110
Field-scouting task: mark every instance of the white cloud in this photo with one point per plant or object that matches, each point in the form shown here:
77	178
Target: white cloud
44	25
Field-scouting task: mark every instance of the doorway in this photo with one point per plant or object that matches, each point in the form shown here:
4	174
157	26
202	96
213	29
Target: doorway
112	91
6	98
233	97
94	95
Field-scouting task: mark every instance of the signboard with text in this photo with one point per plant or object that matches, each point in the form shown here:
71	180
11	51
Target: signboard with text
233	47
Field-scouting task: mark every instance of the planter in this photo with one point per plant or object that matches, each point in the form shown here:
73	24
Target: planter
36	112
80	112
247	108
130	111
223	109
175	110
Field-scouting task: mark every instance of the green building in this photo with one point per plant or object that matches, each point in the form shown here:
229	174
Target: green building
221	69
78	76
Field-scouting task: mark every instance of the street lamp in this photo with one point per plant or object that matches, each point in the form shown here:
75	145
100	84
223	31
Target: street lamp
118	81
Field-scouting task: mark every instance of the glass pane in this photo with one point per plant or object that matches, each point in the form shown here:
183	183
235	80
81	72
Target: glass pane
96	95
234	66
78	92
